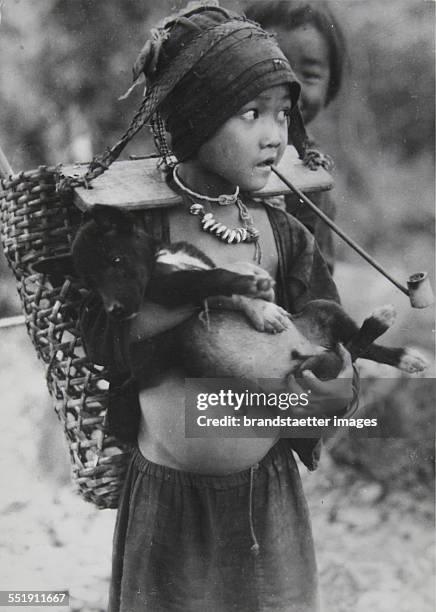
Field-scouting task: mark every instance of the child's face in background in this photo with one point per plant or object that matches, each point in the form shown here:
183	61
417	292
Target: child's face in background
242	151
308	53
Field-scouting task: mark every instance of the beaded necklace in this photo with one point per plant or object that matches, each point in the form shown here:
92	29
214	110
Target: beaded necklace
222	200
246	233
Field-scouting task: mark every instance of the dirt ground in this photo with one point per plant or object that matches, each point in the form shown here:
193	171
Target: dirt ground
375	553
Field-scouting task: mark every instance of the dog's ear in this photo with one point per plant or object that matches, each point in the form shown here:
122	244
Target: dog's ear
110	218
56	268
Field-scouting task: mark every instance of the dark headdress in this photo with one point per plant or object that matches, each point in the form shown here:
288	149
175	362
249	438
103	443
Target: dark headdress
201	66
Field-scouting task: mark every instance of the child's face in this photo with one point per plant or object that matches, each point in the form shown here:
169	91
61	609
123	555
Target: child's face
308	53
243	149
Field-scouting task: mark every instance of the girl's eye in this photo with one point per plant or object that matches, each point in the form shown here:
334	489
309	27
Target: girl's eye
311	76
250	115
284	115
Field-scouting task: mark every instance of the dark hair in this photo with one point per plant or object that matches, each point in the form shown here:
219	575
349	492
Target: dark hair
291	14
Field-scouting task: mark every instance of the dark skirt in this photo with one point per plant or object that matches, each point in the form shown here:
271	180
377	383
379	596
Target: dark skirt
189	542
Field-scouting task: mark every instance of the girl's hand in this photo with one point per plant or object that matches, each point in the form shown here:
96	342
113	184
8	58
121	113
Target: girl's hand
326	397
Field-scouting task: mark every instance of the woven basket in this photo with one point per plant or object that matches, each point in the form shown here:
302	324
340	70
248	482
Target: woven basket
37	223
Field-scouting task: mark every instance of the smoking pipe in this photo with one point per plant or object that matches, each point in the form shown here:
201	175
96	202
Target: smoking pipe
418	287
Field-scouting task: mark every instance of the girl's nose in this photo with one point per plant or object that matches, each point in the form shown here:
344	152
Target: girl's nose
273	134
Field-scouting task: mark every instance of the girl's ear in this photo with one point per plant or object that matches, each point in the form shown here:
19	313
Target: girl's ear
111	218
297	134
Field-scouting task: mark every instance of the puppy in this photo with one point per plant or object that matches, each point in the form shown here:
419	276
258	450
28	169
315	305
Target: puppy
124	264
115	256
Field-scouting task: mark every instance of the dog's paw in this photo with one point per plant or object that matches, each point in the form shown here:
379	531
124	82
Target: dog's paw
385	315
264	285
241	284
412	362
261	285
266	316
250	286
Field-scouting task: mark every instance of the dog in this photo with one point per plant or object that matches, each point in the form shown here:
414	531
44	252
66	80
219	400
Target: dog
118	259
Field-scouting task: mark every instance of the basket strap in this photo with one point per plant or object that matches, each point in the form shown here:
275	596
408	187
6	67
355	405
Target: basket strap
100	163
158	90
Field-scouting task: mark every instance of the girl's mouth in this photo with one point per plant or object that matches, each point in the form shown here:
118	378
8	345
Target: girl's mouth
267	163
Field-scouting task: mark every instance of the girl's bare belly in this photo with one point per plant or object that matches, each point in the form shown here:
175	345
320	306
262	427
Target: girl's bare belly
162	438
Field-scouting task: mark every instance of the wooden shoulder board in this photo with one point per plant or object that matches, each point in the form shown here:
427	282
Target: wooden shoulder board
139	184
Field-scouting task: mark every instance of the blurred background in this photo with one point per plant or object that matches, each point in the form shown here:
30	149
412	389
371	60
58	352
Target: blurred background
63	66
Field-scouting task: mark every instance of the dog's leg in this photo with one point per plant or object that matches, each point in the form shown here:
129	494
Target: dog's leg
186	286
373	327
405	359
265	316
362	345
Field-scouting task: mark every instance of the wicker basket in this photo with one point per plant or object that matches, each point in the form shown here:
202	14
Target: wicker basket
36	223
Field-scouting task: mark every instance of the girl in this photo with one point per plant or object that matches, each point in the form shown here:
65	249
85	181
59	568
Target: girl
312	40
214	524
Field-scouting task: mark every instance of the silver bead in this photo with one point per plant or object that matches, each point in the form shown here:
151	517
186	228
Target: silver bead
225	235
226	200
231	237
208	216
196	209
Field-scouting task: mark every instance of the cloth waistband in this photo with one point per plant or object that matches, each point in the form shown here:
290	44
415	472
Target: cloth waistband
280	450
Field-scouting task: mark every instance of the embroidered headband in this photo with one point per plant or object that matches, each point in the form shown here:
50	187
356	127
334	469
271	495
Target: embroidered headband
199	75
